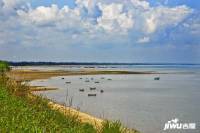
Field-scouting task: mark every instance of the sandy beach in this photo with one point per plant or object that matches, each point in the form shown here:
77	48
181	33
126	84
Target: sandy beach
26	75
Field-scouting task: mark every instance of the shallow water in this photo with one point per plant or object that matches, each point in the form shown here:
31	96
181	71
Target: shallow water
138	101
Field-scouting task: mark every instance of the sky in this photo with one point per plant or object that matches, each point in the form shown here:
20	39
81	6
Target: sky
142	31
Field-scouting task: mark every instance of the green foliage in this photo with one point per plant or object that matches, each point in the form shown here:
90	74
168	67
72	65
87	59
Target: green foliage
4	67
19	115
113	127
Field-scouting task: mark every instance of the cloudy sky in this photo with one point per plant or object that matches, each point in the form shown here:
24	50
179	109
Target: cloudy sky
100	30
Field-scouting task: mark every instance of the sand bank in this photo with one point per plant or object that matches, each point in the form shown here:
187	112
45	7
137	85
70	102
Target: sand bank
27	75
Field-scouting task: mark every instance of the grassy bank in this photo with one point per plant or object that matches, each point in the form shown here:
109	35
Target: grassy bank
20	113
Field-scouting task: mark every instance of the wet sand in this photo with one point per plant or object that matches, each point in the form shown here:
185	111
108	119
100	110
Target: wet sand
27	75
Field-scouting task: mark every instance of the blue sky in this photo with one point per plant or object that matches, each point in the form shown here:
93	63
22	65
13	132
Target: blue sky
100	30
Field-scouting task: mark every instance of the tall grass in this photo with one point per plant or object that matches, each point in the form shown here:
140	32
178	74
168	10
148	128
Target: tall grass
22	114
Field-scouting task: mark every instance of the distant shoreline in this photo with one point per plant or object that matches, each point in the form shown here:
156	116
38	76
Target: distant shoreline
43	63
26	75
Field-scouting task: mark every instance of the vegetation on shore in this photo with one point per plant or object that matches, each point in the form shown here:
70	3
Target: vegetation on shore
4	67
20	113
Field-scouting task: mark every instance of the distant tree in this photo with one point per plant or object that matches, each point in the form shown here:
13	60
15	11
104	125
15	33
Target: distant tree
4	67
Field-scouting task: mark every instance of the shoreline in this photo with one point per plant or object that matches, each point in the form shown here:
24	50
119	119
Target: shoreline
41	88
30	75
66	110
84	117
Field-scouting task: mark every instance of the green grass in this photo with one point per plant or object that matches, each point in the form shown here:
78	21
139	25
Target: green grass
20	113
113	127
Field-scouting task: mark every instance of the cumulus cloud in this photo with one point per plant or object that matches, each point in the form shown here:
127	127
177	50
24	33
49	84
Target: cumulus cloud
88	4
45	15
96	27
93	20
140	4
161	17
114	19
40	15
10	6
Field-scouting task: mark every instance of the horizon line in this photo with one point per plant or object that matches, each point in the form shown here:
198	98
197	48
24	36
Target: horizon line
95	63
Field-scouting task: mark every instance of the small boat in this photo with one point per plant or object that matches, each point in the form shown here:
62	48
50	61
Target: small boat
81	78
101	91
109	79
102	78
81	90
157	78
89	95
68	82
87	80
62	78
92	88
92	78
96	82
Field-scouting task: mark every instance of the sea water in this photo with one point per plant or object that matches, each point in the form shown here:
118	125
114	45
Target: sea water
137	100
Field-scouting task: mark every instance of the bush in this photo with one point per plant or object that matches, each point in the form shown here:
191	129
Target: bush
4	67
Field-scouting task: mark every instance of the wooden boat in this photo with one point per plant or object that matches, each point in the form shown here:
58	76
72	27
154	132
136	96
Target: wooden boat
87	80
81	90
157	78
62	78
109	79
96	82
68	82
92	88
90	95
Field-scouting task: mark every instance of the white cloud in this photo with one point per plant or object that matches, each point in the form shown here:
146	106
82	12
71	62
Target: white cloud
140	4
45	15
64	19
114	19
117	20
40	14
96	26
86	3
161	17
8	6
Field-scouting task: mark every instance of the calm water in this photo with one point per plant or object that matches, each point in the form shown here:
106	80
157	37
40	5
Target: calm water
137	100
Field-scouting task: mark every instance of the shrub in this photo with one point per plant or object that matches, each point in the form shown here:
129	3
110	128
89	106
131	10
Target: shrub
4	67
